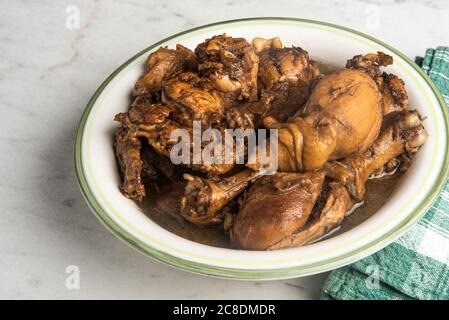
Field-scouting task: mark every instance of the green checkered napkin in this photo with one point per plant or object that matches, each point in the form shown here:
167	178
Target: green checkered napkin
417	265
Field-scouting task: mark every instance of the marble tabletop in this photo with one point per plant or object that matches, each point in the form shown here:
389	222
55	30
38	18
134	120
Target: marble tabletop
50	66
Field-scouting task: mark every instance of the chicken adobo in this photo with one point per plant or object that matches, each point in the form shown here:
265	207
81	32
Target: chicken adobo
333	132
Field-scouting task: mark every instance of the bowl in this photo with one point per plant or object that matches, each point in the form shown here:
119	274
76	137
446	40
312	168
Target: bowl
332	44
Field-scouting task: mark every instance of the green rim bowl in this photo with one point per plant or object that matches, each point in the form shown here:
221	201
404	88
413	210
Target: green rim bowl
98	177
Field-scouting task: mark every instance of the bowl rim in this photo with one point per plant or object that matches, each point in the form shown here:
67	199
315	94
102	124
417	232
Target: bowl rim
254	274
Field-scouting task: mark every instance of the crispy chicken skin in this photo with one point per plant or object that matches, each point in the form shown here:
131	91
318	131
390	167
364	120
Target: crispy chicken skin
161	65
394	95
370	63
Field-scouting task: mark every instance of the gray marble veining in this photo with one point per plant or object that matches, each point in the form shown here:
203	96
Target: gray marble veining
48	73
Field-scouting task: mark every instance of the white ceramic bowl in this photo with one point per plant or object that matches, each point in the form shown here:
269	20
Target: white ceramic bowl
98	177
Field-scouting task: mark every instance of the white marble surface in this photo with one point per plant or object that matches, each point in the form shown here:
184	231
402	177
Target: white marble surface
47	75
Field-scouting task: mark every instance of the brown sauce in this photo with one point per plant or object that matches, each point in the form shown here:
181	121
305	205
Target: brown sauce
163	208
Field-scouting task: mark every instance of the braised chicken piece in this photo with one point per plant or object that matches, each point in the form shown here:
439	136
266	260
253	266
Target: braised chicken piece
344	112
284	64
342	116
162	65
286	76
334	132
265	223
184	97
370	63
127	150
260	44
280	103
156	167
227	75
231	64
394	94
154	124
336	202
128	145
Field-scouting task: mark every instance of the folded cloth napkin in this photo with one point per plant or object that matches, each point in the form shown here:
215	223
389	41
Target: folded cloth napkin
417	265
